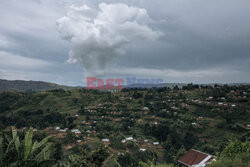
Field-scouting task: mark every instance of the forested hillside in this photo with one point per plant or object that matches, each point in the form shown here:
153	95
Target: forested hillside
132	127
19	85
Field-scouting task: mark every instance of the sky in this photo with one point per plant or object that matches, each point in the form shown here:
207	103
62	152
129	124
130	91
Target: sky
180	41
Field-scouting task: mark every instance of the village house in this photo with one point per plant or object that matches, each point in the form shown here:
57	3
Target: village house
127	139
195	158
76	131
220	103
106	141
142	149
63	130
247	127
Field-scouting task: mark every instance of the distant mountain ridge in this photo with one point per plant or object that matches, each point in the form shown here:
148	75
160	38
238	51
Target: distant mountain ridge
20	85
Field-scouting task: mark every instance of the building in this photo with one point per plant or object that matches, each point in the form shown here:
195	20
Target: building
106	141
128	139
142	149
195	158
76	131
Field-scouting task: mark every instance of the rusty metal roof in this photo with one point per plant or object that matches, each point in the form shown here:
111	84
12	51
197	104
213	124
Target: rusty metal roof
193	157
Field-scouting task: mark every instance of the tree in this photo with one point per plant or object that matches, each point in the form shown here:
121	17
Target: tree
83	159
14	152
235	148
236	154
127	160
100	155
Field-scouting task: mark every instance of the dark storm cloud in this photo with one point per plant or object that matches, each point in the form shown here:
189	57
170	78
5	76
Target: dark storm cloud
199	35
202	41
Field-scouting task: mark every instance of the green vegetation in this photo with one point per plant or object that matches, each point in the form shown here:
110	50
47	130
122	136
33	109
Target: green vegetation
236	154
29	86
15	152
131	127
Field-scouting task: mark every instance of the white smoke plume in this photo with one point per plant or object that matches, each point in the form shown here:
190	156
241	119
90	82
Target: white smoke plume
98	36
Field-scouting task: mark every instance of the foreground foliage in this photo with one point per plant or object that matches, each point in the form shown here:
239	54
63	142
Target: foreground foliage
16	152
26	153
236	154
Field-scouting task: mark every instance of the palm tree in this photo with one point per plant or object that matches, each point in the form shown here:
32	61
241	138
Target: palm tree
14	152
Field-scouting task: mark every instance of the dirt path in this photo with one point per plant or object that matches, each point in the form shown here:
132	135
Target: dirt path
111	155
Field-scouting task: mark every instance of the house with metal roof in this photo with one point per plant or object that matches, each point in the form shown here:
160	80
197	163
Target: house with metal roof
195	158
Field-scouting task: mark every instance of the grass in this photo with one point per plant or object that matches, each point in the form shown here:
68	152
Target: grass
111	163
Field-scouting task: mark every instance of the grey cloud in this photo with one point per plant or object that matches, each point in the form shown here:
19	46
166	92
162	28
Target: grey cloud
97	37
198	35
205	38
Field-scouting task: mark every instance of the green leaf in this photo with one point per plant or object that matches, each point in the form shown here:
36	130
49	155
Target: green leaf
1	148
9	146
14	133
45	153
28	143
16	139
37	145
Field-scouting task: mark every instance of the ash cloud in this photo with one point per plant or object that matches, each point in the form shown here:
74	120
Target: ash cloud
97	36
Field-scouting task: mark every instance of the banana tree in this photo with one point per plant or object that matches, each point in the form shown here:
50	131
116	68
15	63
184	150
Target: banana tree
26	153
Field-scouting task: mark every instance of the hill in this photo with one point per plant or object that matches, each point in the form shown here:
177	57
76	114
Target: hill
137	125
20	85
